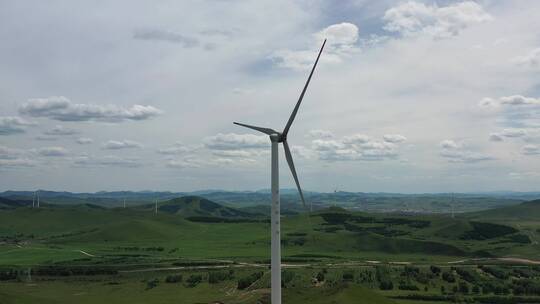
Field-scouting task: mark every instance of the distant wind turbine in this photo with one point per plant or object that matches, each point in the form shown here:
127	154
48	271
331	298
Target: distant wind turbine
276	138
37	198
453	202
34	200
156	206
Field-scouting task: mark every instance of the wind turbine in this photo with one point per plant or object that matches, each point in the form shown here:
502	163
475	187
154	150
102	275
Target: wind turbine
34	200
276	138
38	198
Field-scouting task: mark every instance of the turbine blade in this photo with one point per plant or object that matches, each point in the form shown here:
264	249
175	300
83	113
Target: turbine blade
293	114
288	156
266	131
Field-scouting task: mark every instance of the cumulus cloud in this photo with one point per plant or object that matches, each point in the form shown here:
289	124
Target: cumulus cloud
177	148
167	36
458	153
531	150
356	139
394	138
121	144
107	161
415	18
52	151
514	133
62	109
84	140
12	125
183	163
513	100
323	134
236	153
342	40
449	144
356	147
13	158
17	162
531	60
9	153
496	137
59	130
233	141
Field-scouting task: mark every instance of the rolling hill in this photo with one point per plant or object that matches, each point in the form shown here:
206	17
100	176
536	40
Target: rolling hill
525	211
196	206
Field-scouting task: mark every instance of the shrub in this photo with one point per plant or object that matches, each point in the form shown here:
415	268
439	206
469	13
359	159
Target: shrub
448	277
152	284
245	282
435	270
320	276
194	280
215	277
174	278
348	276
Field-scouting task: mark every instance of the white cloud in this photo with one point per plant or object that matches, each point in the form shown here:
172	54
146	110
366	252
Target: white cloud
12	125
415	18
356	147
323	134
531	60
496	137
531	150
52	151
512	133
107	161
84	140
59	130
518	100
342	39
394	138
17	162
449	144
121	144
9	153
233	141
457	153
167	36
61	108
183	164
177	148
356	139
326	145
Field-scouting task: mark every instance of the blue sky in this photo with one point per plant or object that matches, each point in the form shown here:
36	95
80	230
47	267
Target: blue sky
410	96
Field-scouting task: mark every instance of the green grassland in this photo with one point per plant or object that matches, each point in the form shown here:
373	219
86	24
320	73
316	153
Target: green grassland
127	248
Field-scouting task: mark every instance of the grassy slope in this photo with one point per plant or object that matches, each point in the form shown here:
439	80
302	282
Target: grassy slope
133	292
59	234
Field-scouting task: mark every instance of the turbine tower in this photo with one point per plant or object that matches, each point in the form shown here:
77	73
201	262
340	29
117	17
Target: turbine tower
38	198
276	138
34	200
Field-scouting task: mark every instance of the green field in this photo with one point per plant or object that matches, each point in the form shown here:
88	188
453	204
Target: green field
87	254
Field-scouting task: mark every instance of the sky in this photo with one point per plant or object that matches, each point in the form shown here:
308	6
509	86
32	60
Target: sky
409	96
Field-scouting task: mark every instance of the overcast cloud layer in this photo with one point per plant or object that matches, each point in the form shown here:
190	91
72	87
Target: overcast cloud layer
409	96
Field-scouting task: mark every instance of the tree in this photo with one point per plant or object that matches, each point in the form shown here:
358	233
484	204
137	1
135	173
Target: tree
320	276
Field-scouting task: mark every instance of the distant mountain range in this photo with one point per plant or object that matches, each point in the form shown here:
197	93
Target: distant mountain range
260	200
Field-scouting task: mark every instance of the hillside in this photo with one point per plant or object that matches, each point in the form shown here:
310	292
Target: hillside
525	211
11	204
196	206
